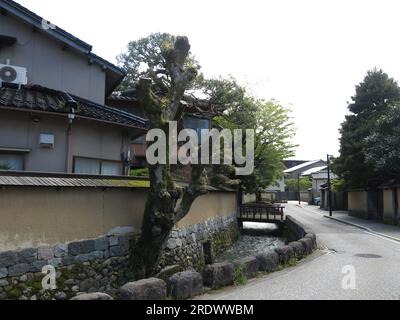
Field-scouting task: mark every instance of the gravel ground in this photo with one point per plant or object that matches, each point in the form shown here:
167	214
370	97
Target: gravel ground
257	237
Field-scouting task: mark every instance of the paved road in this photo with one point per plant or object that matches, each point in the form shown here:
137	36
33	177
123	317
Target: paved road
377	270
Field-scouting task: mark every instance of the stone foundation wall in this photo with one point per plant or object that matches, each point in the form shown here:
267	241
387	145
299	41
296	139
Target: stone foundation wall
185	245
294	230
102	264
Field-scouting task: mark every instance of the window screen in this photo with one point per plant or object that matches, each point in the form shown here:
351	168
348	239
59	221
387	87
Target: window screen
110	168
11	161
87	166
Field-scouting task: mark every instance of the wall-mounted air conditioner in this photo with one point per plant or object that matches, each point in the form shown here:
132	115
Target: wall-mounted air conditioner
46	140
13	74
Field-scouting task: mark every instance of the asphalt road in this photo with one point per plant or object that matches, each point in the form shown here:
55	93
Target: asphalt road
344	251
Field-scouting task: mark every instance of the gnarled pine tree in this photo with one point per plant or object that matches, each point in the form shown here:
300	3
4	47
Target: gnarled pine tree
162	210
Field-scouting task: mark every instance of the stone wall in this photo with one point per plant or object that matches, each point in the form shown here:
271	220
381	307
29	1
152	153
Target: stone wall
185	245
102	264
294	230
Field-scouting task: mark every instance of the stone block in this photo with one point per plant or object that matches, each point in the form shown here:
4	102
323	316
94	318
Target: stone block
268	261
55	262
116	251
114	241
81	247
145	289
60	250
27	255
249	266
19	269
124	243
8	258
68	260
37	266
285	253
313	237
86	257
186	284
218	275
172	243
168	271
45	253
307	244
93	296
101	244
298	249
3	273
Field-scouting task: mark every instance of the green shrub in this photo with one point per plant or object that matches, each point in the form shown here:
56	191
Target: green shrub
239	276
141	172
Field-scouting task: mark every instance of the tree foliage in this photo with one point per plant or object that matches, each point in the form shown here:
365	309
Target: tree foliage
293	184
373	99
161	69
382	147
273	131
148	58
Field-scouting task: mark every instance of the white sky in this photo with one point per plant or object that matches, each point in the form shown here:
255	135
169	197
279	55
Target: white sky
308	54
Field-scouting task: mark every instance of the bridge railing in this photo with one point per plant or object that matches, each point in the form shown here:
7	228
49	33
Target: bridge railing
259	211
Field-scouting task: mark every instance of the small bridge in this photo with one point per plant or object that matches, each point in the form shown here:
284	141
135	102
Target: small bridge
260	212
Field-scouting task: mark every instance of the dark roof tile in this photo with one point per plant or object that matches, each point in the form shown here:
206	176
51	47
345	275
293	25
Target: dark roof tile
45	99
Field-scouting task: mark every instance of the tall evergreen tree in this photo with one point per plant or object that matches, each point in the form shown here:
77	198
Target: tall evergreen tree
373	98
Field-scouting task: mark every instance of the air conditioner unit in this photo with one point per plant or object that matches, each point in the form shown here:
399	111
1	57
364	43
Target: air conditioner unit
13	74
46	140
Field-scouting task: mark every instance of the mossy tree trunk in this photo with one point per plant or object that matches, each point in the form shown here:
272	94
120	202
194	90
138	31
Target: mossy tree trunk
162	210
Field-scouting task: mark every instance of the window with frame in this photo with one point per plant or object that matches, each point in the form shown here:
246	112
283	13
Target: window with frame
10	161
97	166
197	124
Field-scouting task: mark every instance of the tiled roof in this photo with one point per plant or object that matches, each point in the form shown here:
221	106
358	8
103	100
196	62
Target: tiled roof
73	181
193	106
300	166
61	180
313	170
43	99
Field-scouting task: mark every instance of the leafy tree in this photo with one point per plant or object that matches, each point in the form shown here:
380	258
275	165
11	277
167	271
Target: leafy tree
338	185
148	58
373	98
162	71
293	184
382	147
273	131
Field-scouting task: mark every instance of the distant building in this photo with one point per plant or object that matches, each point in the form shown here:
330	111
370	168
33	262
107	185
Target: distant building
295	166
296	171
318	177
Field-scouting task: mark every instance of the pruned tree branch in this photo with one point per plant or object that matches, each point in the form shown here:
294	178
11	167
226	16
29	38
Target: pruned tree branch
197	187
180	77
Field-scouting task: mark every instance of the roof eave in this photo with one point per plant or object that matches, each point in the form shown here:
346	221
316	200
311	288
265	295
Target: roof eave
35	20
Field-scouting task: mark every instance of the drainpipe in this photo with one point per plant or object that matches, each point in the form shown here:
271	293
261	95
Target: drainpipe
71	117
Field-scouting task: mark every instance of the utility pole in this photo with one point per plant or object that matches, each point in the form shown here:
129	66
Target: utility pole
298	187
329	185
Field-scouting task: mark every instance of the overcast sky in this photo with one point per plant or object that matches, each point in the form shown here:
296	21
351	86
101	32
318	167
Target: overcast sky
307	54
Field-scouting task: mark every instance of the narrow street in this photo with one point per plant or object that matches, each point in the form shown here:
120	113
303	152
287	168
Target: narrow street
375	259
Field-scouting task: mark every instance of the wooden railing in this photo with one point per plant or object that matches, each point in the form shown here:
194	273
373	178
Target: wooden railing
261	212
